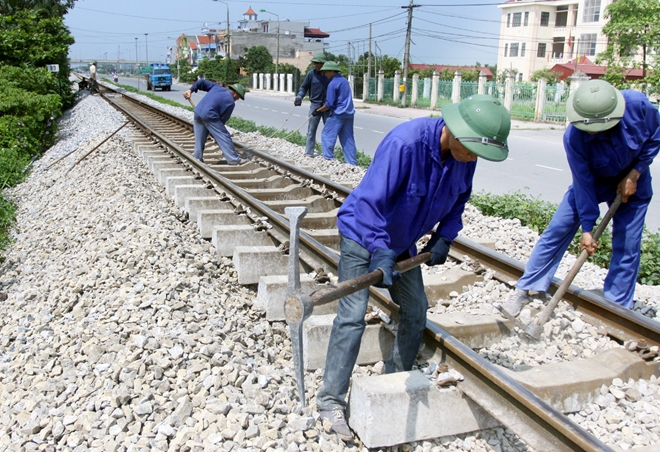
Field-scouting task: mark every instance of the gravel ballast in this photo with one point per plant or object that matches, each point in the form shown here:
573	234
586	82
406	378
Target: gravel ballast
122	332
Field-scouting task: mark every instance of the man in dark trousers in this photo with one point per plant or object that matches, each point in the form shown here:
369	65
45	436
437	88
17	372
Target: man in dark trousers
420	178
211	114
315	84
611	141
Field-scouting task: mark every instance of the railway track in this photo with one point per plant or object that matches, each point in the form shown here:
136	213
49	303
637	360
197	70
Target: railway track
240	208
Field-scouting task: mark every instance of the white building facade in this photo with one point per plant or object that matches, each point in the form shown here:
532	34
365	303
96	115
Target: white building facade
537	34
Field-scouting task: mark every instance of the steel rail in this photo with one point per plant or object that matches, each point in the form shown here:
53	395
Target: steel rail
536	421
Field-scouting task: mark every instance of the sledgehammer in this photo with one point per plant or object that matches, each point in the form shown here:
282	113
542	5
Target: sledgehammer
533	330
299	306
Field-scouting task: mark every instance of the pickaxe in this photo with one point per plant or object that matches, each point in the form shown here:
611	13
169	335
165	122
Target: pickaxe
299	305
533	330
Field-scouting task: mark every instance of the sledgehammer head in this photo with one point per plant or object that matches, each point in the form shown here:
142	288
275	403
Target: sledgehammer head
298	308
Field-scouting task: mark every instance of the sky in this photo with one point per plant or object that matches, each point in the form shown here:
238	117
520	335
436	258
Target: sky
456	32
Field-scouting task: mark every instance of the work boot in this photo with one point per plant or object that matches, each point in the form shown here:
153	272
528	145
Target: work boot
338	421
516	301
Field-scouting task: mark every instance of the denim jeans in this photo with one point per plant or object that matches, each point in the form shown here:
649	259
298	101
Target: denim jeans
341	127
312	126
220	134
349	325
627	228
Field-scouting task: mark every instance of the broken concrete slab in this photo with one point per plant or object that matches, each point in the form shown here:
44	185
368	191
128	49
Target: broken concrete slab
403	407
376	342
438	286
570	386
226	238
271	295
209	219
253	262
475	331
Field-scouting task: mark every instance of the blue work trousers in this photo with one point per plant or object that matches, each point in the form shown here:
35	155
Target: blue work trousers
349	325
221	135
342	128
312	126
627	227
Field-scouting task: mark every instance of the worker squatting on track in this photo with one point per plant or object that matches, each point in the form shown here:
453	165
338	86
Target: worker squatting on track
210	116
421	175
316	84
339	101
611	141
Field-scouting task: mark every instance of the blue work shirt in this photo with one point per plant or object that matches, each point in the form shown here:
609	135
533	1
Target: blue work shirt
339	98
407	190
217	104
316	84
600	161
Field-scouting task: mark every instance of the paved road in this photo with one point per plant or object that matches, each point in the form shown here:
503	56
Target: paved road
536	165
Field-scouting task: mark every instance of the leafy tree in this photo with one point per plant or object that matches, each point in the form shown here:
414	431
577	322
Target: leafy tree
551	76
53	8
257	59
632	25
390	65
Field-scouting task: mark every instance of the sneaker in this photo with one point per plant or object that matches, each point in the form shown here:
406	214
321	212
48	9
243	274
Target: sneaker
338	421
516	301
238	162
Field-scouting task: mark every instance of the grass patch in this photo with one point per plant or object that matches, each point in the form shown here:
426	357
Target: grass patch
536	215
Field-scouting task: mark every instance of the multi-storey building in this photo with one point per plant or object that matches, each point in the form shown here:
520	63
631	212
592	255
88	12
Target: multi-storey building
537	34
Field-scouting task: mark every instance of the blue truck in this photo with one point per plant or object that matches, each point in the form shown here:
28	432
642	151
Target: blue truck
158	75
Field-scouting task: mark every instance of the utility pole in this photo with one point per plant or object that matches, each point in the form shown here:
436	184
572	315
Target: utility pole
137	64
369	57
228	51
406	55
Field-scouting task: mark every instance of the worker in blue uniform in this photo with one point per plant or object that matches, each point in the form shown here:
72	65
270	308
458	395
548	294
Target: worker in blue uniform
211	115
611	141
339	102
420	178
316	84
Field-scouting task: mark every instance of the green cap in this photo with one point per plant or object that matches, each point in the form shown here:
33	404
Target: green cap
595	106
330	66
319	58
481	124
239	89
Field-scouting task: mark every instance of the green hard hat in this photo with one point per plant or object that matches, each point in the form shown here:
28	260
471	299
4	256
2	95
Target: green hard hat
319	58
595	106
240	90
481	124
330	66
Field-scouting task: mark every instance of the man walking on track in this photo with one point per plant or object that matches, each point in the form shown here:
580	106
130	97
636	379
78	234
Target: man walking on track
316	84
339	101
211	114
611	141
420	177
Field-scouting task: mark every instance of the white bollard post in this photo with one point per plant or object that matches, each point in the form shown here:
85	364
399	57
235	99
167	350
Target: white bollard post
456	87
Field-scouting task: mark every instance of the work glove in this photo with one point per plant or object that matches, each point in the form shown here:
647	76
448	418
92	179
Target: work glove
384	260
297	102
317	113
438	246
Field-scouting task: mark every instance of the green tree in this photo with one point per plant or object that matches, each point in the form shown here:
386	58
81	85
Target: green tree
257	59
633	26
390	65
551	76
53	8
